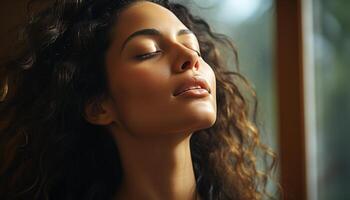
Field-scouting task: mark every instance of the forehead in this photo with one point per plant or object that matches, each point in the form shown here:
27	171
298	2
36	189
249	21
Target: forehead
143	15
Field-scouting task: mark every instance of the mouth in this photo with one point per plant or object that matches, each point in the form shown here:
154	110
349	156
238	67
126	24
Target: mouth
196	92
195	85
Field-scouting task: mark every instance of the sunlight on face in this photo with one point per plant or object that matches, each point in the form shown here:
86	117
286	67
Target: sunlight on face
152	55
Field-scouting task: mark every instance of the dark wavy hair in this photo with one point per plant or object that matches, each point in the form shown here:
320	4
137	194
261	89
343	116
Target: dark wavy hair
49	151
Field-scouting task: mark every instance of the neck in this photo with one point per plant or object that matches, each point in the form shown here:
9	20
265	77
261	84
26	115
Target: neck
156	168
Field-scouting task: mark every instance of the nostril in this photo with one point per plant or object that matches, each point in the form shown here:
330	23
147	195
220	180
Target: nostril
185	65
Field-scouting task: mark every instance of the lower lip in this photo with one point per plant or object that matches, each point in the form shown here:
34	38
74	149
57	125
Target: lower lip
194	93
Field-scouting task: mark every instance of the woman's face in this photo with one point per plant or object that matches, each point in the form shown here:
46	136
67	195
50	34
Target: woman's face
152	55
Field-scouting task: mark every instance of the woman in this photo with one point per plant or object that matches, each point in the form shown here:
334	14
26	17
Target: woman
126	100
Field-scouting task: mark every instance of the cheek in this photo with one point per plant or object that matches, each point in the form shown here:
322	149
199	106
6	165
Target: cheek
140	93
137	80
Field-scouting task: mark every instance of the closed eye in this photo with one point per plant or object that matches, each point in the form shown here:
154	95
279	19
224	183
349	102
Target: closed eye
148	55
194	49
198	52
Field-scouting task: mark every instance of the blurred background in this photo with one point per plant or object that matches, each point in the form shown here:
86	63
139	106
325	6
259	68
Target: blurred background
332	94
251	24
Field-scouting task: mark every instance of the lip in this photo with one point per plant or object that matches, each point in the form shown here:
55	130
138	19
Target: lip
194	93
193	86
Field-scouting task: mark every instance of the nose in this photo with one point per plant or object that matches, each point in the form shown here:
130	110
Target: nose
186	59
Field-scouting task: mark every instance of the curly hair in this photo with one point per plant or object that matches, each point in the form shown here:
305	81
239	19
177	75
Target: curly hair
49	151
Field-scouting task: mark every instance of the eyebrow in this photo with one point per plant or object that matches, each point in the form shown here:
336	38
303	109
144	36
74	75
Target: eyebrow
152	32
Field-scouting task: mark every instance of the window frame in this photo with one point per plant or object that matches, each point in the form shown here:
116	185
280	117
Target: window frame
291	99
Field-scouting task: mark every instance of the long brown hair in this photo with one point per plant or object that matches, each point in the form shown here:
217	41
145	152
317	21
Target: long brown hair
49	151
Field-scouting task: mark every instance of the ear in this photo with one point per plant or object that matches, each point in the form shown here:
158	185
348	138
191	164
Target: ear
99	111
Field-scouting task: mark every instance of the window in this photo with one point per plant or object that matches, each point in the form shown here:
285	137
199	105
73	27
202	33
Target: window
329	174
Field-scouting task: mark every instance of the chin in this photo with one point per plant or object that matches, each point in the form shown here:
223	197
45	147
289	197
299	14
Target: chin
204	121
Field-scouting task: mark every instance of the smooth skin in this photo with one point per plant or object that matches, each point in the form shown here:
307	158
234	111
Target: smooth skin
152	127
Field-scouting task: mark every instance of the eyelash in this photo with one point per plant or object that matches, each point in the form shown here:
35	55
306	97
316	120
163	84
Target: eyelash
152	54
198	52
148	55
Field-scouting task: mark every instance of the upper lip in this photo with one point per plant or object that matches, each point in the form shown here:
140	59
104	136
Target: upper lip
192	83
